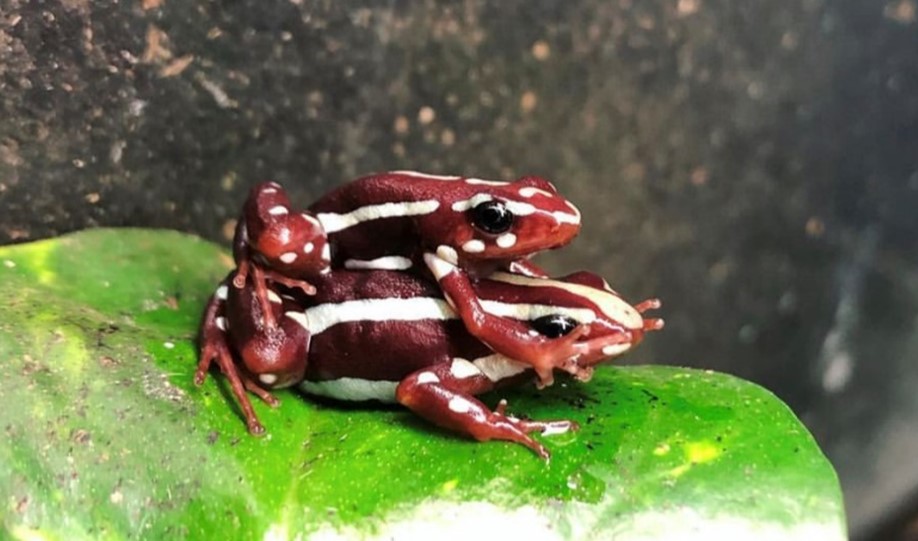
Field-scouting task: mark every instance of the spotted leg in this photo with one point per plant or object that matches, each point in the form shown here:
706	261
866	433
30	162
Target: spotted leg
443	394
274	243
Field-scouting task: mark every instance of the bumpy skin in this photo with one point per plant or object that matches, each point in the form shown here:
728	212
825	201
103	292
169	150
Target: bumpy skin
392	336
408	220
275	243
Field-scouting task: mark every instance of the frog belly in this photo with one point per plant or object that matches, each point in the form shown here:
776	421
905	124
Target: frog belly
352	389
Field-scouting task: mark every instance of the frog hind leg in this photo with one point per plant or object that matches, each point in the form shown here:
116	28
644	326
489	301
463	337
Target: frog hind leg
252	355
443	394
275	356
215	347
275	243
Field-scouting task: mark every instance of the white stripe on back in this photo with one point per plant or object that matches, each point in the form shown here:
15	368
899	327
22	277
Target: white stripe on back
333	222
428	176
320	318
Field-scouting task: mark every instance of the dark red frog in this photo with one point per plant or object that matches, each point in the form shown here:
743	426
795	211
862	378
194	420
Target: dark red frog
456	229
392	336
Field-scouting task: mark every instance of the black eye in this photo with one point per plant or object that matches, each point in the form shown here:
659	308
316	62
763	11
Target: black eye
554	325
492	217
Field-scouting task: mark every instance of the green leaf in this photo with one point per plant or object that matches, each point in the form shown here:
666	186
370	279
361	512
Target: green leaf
106	437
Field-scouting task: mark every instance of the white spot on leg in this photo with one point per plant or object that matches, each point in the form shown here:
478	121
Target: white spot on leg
221	293
506	240
268	379
438	266
326	253
462	369
288	257
474	246
220	322
458	404
427	377
278	210
273	297
448	254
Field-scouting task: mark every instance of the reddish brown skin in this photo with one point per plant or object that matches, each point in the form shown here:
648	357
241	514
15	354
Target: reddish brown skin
414	236
406	235
387	350
268	230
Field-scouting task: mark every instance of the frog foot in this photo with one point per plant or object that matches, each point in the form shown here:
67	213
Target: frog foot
219	351
214	347
438	396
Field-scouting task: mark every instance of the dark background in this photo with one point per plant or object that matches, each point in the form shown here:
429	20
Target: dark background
754	164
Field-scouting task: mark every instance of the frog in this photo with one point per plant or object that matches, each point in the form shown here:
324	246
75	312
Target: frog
454	229
391	336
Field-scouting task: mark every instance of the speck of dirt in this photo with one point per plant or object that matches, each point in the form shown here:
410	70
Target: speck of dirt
541	50
107	362
426	115
81	436
212	437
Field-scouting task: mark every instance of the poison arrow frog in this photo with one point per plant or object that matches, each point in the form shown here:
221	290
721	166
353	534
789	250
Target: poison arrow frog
457	228
392	336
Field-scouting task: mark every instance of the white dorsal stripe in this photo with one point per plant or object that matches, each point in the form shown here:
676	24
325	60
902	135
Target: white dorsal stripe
611	305
333	222
473	180
354	389
392	262
418	174
319	318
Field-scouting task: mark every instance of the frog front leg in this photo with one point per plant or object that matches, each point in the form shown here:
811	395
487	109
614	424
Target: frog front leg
274	243
444	395
508	336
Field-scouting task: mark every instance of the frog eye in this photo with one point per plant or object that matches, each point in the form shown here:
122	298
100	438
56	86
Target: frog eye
554	325
492	217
